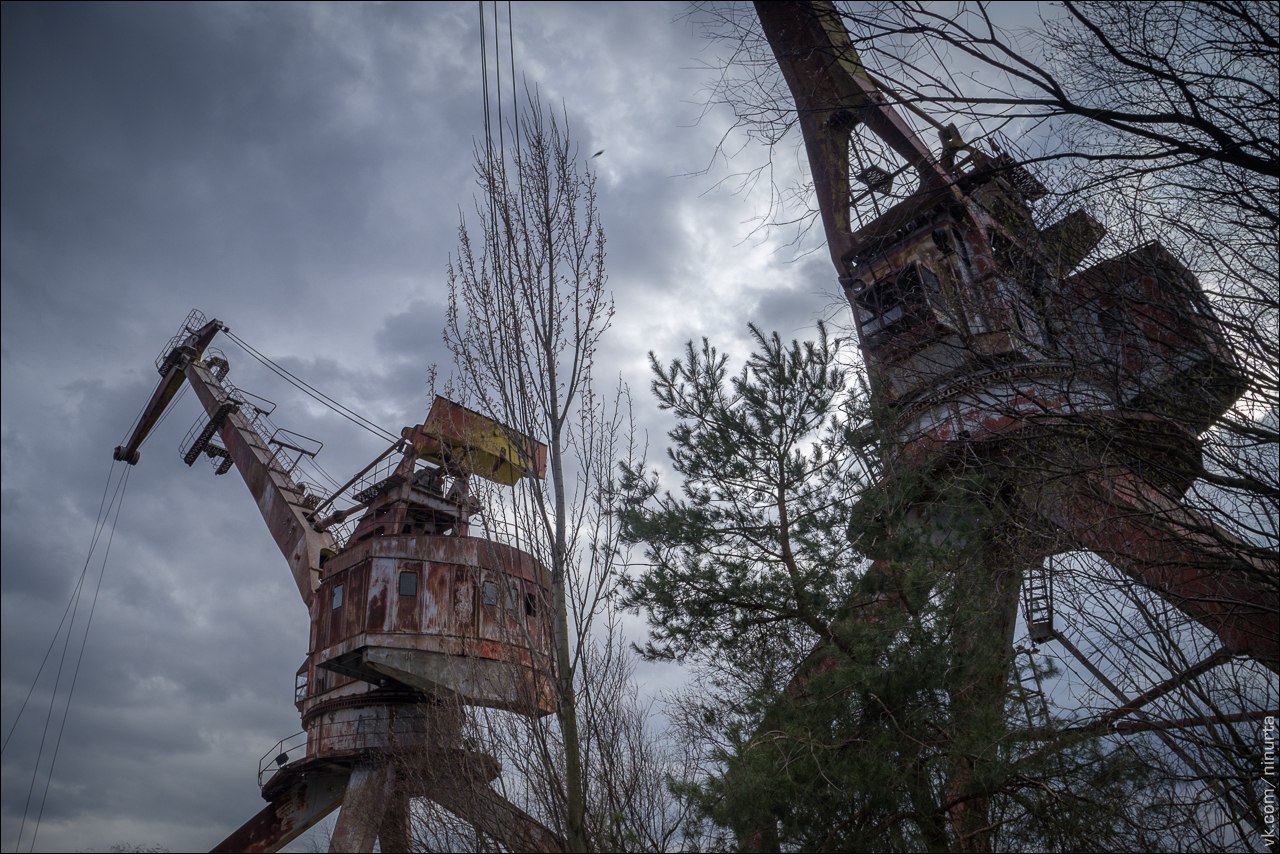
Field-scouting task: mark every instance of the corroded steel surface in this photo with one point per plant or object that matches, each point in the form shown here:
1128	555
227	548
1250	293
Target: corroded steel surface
453	434
279	499
369	790
352	717
986	352
1203	570
312	795
472	622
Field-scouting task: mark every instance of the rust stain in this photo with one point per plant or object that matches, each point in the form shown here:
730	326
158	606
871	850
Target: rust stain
408	610
437	598
377	611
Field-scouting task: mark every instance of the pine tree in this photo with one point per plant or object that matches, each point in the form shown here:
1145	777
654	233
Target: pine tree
846	704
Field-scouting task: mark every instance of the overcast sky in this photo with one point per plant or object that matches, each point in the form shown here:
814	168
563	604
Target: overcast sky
297	171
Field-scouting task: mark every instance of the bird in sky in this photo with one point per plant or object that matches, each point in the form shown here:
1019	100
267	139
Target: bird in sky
598	153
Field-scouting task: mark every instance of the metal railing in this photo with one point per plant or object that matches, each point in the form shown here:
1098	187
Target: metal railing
289	449
371	732
278	757
286	448
194	322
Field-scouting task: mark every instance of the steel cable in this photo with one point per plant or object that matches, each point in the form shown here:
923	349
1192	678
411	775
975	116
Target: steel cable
72	609
321	398
84	640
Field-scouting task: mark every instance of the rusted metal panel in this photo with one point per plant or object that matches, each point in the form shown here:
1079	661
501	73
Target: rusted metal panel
474	680
1147	318
309	798
320	620
277	496
355	612
437	599
461	551
380	611
408	610
455	436
489	605
363	806
476	600
1200	568
350	722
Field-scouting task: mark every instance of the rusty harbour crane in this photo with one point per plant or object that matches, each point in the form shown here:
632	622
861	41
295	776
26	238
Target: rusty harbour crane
983	340
1064	403
413	616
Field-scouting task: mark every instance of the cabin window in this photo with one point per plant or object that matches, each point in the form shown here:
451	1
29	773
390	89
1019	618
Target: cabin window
530	604
1111	319
300	686
878	298
490	593
885	302
337	597
931	283
409	583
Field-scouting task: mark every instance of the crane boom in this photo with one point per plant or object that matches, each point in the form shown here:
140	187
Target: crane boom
833	93
181	350
279	498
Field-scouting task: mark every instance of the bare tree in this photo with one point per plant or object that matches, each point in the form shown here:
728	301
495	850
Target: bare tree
528	306
525	315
